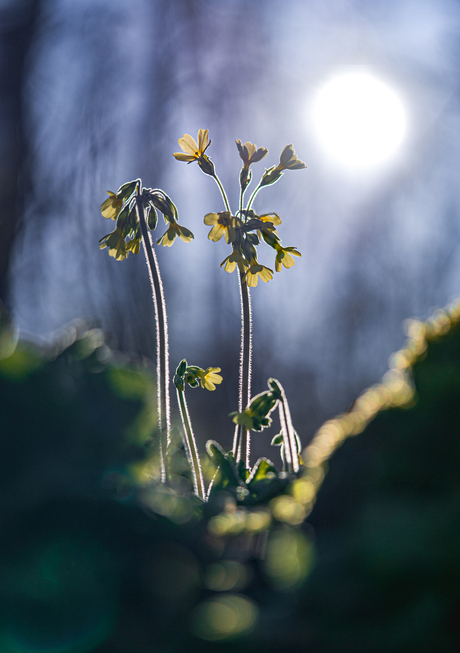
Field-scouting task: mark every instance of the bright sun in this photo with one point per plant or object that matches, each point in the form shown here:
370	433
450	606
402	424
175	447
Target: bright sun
360	122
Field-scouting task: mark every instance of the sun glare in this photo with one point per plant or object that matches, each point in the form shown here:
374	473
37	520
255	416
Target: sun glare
359	121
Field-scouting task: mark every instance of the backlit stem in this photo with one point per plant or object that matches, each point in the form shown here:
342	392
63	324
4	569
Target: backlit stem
241	442
164	412
190	444
223	193
253	196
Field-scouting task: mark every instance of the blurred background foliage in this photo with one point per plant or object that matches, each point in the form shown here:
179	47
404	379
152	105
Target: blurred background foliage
95	557
98	92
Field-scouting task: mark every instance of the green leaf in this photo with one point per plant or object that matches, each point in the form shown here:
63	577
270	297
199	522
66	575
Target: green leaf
277	440
227	473
127	189
263	470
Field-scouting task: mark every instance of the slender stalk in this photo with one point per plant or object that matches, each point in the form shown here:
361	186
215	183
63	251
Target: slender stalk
223	193
164	412
190	444
241	442
241	203
252	198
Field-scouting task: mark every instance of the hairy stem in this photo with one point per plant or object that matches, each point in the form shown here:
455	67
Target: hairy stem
241	442
164	412
190	445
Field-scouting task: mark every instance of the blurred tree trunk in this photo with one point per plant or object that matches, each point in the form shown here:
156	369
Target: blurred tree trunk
18	20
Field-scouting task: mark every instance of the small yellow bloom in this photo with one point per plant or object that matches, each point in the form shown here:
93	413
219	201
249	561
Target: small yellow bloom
289	160
249	153
116	244
133	245
283	257
223	223
256	271
209	378
235	259
172	232
191	150
112	206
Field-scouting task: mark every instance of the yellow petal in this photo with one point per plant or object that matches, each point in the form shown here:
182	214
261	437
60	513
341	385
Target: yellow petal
216	233
185	234
203	137
188	144
274	218
252	280
184	157
211	219
266	274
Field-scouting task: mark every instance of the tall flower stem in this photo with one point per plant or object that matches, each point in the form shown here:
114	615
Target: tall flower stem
164	411
190	443
241	442
223	193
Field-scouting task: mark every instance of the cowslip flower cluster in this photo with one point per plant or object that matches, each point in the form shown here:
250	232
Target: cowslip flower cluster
121	207
245	230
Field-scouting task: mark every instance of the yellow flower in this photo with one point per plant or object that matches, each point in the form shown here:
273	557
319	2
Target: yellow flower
256	271
223	223
112	206
249	153
235	259
209	378
172	232
192	151
289	160
133	245
274	218
196	152
283	257
116	244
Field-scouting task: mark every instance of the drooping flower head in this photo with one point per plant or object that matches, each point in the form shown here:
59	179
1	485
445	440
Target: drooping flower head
193	151
283	256
112	206
255	271
235	259
175	229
